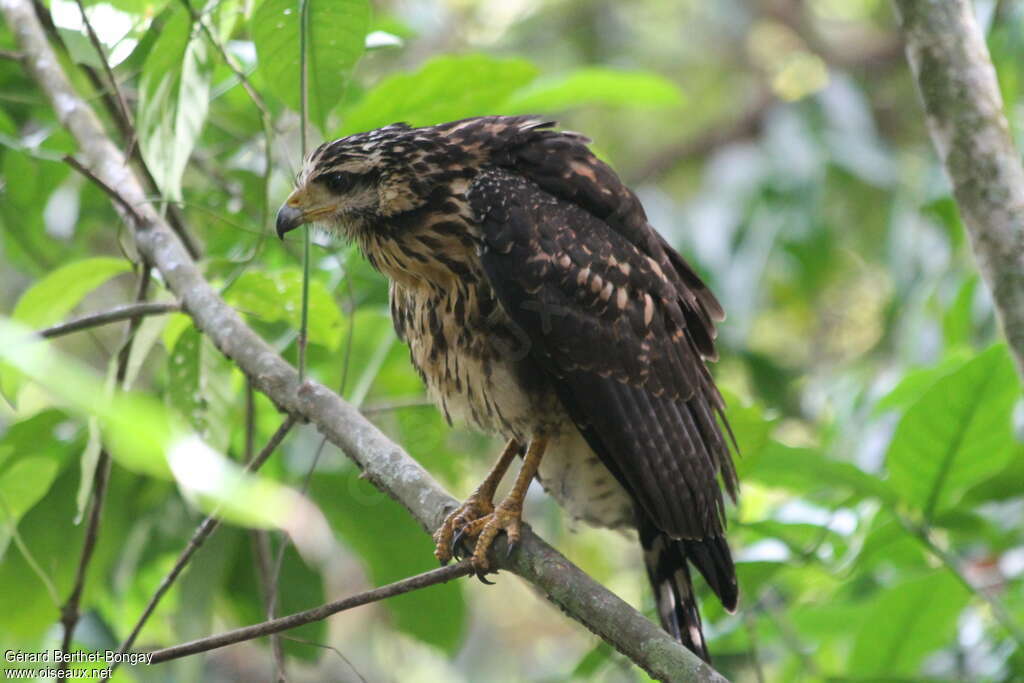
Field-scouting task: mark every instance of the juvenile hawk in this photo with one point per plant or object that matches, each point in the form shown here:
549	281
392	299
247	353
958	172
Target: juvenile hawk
540	305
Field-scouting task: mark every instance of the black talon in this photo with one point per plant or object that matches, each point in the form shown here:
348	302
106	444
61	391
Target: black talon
457	538
482	578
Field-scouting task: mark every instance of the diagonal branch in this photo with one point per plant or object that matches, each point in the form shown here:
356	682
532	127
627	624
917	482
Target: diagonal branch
958	86
126	312
266	628
383	462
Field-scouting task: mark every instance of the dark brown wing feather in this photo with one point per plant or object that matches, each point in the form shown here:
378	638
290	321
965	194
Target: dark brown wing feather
622	334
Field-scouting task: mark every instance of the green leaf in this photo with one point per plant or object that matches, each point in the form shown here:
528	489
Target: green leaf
589	664
957	323
908	621
887	543
916	382
87	465
174	94
51	298
957	434
801	538
177	323
444	89
393	546
596	86
807	471
199	387
28	607
31	456
277	297
334	43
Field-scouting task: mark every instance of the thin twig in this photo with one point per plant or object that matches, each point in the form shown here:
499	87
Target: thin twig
202	532
11	55
110	192
429	578
273	589
70	613
94	39
114	315
397	404
268	590
1002	615
332	649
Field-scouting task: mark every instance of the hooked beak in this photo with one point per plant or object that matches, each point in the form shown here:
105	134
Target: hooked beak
289	218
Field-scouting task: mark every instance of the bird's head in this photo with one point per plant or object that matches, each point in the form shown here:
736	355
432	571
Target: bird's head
363	182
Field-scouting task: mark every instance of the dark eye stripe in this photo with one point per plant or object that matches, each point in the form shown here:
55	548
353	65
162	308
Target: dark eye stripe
340	181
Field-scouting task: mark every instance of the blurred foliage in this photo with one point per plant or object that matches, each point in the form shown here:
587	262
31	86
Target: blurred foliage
777	143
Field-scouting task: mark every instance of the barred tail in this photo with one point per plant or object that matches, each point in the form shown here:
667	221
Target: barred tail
669	572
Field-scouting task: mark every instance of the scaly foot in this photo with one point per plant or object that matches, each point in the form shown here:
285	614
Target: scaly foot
475	508
507	517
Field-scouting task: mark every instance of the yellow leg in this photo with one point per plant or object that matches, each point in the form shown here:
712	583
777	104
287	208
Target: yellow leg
508	516
478	505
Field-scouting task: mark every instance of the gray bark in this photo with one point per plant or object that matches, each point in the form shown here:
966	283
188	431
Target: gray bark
964	111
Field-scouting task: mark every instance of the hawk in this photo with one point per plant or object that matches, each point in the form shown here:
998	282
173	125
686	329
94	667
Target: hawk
539	305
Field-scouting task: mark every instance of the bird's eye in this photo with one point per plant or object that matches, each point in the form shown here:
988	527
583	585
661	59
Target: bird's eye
337	182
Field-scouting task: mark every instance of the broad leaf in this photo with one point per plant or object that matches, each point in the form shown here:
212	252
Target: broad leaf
277	297
958	433
590	86
174	94
200	387
52	297
444	89
908	621
957	323
807	471
334	42
31	456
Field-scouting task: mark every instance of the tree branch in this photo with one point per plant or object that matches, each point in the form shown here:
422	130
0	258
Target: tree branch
266	628
384	463
138	310
957	83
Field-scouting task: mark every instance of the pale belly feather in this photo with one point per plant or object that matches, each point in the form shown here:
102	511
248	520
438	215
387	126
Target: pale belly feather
484	388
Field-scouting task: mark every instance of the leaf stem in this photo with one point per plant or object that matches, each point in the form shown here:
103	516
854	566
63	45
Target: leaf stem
1002	615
